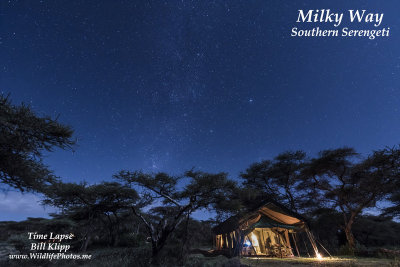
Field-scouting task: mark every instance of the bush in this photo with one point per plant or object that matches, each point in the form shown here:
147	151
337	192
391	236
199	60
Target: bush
20	242
117	257
345	250
219	261
131	240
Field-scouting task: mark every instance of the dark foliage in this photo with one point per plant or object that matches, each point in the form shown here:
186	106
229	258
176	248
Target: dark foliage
278	179
202	191
96	207
339	180
24	137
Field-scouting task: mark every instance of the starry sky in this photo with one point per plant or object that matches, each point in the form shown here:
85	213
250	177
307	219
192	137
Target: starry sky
215	85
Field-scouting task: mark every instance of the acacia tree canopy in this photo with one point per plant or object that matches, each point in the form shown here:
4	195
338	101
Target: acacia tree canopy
24	137
90	204
337	179
202	190
345	181
102	197
278	179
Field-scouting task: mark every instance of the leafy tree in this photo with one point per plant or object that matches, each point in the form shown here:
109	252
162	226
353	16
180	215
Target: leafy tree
186	239
24	137
377	231
350	184
394	198
279	179
170	203
92	204
394	209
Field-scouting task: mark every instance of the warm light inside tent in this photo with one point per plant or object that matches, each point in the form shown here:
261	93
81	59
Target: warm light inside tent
254	240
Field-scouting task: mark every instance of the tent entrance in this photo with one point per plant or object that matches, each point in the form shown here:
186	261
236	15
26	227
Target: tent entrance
272	242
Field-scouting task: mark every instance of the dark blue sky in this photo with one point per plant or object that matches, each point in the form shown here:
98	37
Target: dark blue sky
216	85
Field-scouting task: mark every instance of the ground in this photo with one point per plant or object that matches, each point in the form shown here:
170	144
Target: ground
110	257
299	262
336	261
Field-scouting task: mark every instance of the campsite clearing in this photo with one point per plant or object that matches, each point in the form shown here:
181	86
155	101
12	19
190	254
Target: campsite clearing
200	260
335	261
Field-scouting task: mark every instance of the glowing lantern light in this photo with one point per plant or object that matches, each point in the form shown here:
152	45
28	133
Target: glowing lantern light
254	240
319	256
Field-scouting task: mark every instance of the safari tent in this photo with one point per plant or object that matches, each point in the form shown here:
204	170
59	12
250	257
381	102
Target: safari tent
269	230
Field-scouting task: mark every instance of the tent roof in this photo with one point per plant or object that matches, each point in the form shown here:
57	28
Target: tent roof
270	213
266	222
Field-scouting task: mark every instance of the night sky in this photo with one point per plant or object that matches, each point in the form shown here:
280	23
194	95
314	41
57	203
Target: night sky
215	85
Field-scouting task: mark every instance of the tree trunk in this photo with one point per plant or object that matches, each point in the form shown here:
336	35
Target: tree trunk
155	259
291	199
116	231
239	245
110	236
116	240
157	244
85	243
349	235
182	256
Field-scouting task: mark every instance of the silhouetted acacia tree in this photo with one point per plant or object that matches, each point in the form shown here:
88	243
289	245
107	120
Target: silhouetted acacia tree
345	181
279	179
92	204
394	209
377	231
394	198
172	204
24	137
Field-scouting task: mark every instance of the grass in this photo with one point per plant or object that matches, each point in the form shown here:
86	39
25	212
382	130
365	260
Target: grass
198	260
137	257
130	257
334	261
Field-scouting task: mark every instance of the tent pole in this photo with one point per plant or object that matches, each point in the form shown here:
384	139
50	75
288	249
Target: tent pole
241	242
312	240
230	245
324	248
236	251
279	241
251	243
305	244
294	237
